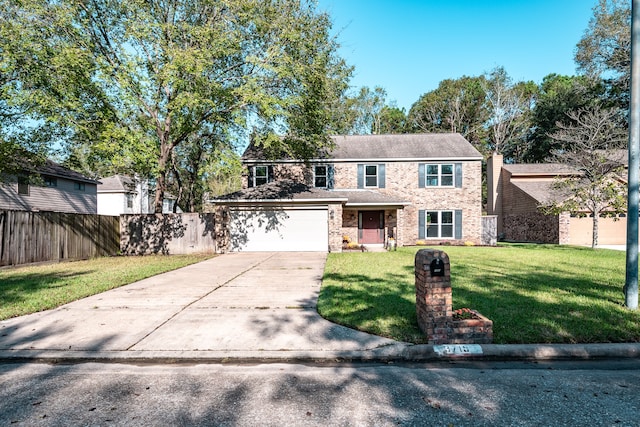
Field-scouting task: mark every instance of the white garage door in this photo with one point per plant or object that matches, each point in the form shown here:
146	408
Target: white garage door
287	229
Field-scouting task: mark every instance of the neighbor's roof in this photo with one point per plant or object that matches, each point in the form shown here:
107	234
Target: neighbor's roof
291	191
51	168
117	184
541	191
424	146
550	169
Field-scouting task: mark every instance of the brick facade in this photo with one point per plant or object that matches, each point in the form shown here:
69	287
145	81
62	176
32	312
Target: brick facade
401	181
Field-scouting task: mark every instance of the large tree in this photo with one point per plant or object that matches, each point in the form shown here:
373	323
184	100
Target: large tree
137	81
509	108
594	145
392	120
457	105
558	95
605	48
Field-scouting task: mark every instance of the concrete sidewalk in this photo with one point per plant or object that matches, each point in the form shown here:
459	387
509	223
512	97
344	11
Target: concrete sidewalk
241	307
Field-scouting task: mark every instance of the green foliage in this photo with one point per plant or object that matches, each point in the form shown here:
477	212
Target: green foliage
393	120
594	148
129	82
532	293
558	96
605	48
455	106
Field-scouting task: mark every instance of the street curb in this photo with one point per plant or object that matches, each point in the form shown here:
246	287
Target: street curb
393	353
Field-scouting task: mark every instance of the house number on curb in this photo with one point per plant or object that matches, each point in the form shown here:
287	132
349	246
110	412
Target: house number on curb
457	349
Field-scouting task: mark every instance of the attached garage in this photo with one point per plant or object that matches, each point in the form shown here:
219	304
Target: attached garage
293	228
610	231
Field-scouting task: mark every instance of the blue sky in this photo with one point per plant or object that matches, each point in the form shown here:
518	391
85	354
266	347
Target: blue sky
409	46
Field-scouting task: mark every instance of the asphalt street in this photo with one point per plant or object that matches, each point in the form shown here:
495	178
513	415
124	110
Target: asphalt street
530	394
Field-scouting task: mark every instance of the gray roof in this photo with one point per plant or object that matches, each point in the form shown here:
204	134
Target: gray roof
541	191
291	191
117	184
424	146
51	168
370	197
551	169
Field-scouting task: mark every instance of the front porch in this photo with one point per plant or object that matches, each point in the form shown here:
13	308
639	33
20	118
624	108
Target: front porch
371	227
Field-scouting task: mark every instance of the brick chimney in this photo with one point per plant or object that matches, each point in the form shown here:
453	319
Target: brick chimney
494	190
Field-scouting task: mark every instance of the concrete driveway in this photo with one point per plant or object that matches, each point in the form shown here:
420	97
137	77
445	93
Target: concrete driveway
234	305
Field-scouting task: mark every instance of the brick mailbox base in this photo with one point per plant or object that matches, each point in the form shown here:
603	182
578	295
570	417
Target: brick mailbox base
434	304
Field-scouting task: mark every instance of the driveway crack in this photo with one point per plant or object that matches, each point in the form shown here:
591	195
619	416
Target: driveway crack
201	298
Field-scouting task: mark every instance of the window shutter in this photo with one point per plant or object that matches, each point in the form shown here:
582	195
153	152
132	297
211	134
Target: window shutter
458	225
421	171
269	173
421	224
360	176
381	175
458	176
330	175
250	178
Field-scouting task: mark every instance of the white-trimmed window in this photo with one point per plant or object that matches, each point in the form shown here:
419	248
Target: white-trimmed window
371	176
440	224
440	175
321	176
129	197
259	175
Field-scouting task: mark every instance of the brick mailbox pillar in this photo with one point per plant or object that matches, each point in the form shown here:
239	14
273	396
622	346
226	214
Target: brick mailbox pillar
434	305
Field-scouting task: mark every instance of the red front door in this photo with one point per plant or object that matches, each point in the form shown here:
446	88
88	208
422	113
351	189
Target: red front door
371	225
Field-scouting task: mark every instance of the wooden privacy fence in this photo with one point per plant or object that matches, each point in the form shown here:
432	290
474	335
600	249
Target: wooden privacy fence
172	234
28	237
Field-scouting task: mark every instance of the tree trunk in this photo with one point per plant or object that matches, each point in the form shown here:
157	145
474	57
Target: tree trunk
161	185
594	240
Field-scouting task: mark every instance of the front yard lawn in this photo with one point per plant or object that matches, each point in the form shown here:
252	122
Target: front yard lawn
533	293
30	289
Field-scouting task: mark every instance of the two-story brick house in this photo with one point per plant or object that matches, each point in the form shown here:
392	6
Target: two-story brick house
368	189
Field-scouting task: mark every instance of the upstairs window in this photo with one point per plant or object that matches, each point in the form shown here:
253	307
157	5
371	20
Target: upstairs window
371	176
79	186
50	181
23	185
320	176
129	201
440	175
259	175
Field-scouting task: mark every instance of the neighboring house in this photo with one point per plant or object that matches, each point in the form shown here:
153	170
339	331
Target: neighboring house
367	190
59	190
516	191
122	194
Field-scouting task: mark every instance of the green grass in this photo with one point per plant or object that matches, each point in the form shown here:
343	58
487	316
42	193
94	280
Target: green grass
533	293
30	289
